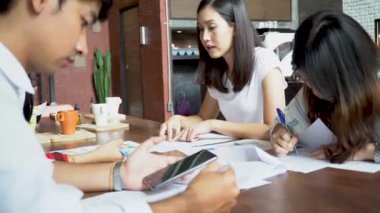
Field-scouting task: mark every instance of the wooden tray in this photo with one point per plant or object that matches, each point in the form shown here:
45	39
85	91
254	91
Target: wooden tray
109	127
50	137
91	117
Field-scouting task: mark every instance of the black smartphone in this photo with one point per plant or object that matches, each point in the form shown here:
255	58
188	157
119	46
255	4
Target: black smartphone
174	171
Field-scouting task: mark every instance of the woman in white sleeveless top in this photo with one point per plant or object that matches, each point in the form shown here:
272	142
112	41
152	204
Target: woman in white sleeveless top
243	79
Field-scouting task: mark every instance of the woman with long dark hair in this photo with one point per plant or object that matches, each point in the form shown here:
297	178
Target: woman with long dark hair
339	64
243	80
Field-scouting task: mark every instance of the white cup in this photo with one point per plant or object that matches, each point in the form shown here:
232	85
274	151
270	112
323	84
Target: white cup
113	104
182	52
174	52
101	114
189	52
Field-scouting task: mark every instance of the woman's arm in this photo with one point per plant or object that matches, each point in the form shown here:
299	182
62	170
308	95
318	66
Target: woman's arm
240	130
366	153
177	127
273	95
208	110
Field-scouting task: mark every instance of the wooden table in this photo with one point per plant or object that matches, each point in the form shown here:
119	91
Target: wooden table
326	190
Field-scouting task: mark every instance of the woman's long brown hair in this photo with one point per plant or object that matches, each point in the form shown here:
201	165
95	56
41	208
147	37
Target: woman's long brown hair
211	71
339	60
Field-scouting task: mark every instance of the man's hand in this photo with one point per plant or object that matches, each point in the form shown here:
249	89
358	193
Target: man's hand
142	163
212	190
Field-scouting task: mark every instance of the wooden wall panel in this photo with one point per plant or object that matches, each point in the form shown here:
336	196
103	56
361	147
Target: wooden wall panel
154	59
114	39
258	9
280	10
132	62
127	3
183	8
308	7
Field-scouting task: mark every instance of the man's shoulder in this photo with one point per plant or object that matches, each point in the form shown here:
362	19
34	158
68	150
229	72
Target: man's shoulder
8	94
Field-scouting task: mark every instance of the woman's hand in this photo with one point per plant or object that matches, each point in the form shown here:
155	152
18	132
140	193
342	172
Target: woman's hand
282	141
191	134
318	154
171	128
366	153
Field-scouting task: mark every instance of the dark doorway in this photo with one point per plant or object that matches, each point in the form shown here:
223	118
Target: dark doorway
131	81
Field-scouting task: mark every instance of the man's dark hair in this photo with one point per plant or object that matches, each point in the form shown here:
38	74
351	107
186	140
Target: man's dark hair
104	8
6	5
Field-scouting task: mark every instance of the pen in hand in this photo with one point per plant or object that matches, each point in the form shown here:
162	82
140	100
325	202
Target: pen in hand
281	117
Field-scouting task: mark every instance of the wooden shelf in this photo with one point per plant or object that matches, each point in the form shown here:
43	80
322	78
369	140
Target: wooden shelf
185	57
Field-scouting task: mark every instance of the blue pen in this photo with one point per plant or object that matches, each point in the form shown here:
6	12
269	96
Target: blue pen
281	116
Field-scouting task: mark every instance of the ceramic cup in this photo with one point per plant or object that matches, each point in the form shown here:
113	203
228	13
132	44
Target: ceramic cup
113	104
68	121
100	113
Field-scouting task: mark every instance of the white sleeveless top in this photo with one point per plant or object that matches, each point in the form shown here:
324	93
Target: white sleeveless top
248	104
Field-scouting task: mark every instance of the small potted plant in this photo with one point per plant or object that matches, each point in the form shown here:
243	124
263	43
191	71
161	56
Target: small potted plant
102	75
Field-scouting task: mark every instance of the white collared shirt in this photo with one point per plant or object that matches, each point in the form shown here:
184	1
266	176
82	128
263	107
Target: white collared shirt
26	175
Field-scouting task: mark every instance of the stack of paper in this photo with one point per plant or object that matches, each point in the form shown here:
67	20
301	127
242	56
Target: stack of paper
251	164
315	137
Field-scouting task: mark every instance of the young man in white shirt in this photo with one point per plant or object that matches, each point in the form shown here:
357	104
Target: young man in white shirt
43	36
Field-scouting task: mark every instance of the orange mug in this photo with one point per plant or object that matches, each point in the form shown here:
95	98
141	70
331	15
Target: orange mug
68	121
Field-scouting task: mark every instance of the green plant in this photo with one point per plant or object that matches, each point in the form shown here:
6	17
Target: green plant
102	75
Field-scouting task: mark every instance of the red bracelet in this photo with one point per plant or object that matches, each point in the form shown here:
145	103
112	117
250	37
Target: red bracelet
57	156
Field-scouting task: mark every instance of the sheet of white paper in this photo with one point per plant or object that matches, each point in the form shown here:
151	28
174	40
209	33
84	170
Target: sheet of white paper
251	163
148	196
264	145
79	150
359	166
252	174
249	183
303	164
315	136
85	149
209	144
306	164
170	146
214	136
204	140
